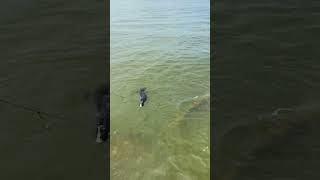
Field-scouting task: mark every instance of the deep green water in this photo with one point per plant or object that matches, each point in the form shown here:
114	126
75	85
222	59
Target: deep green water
163	46
266	58
53	54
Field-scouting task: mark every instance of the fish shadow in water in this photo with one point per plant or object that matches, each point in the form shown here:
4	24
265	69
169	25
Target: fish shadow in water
101	99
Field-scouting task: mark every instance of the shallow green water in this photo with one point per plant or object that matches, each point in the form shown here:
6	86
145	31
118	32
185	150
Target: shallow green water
163	46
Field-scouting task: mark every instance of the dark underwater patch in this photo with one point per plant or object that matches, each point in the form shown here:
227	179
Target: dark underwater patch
102	102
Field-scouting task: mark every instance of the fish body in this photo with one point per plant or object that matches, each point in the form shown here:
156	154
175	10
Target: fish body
142	96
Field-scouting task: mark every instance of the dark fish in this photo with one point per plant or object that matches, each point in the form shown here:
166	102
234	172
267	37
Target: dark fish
143	96
102	105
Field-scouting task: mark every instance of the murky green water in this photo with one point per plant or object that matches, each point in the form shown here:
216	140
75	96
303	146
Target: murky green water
53	53
163	46
266	84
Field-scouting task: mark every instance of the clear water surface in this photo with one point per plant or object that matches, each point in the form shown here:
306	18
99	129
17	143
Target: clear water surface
163	46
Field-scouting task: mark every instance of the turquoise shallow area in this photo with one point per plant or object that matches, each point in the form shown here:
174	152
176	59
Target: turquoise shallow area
163	46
